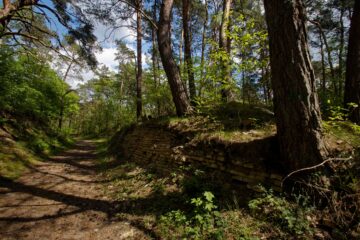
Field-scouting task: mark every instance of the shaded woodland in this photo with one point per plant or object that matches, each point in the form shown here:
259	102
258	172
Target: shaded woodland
221	72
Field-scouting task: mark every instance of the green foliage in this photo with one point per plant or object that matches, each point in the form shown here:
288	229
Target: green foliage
200	222
290	217
36	95
107	106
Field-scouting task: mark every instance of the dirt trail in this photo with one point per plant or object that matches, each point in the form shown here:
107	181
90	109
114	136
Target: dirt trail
62	199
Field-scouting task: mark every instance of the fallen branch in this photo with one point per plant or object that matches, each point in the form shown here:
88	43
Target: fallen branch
314	167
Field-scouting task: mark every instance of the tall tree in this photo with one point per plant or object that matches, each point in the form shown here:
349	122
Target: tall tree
203	45
188	58
154	55
180	97
296	104
352	82
224	46
139	59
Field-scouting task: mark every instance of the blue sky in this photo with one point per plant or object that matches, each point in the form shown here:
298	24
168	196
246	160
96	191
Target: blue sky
107	55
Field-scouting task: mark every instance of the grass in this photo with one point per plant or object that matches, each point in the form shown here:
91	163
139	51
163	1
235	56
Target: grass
345	131
14	159
31	146
150	195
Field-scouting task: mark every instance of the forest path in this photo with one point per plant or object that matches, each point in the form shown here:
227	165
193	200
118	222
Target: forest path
62	198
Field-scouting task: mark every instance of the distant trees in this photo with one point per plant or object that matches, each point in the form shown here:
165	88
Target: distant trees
38	96
296	104
352	83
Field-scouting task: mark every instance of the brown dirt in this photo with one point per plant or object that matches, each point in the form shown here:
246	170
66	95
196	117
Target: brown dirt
63	198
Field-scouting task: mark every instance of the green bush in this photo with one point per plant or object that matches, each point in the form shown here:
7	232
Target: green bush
201	222
290	217
39	146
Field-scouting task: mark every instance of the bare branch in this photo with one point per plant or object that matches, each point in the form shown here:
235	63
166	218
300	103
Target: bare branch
152	22
314	167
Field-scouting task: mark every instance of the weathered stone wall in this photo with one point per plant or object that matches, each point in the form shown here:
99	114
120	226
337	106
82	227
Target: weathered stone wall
251	162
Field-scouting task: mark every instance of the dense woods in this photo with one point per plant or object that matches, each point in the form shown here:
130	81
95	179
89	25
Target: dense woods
231	63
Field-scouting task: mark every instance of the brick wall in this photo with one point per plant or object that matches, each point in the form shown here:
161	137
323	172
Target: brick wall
251	162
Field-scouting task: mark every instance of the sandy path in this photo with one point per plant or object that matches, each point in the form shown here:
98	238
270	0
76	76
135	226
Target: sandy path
62	199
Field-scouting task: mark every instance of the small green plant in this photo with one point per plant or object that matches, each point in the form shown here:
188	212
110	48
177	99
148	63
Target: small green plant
292	218
202	222
159	188
40	146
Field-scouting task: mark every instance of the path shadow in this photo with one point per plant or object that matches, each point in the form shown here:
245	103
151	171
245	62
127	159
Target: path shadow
67	178
156	204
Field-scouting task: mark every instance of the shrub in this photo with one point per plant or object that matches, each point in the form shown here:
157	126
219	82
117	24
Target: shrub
291	217
201	222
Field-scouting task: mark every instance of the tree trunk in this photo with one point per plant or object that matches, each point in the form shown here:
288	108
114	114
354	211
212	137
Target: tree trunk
323	71
155	58
328	51
139	60
203	44
296	104
352	82
226	94
181	49
341	52
178	91
188	57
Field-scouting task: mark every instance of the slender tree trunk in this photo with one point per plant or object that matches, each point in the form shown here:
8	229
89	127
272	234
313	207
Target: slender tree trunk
181	45
139	60
329	57
178	91
341	53
203	45
188	58
226	94
323	71
62	107
296	104
352	82
155	58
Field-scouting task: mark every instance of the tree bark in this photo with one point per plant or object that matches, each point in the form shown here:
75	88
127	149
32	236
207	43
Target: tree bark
188	58
352	82
341	52
323	71
139	60
178	91
226	93
203	45
296	104
155	58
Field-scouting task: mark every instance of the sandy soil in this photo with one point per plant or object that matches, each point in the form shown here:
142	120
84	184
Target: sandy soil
63	198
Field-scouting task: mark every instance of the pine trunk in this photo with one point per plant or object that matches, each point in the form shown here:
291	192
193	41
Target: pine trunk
188	57
226	93
139	61
178	91
155	58
296	104
352	82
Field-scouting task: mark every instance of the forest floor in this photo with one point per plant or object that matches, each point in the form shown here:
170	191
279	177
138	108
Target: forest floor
62	198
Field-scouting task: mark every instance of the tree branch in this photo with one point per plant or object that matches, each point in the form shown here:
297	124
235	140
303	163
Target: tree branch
314	167
152	22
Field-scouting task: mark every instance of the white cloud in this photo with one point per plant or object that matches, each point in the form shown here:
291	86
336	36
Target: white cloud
107	35
107	58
